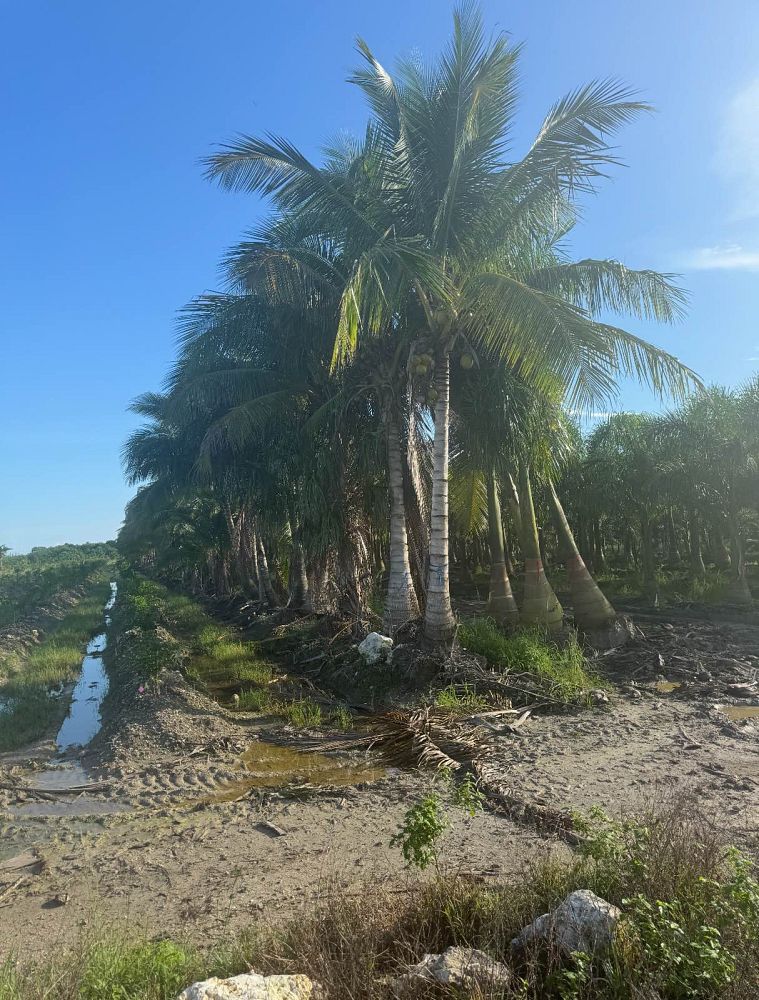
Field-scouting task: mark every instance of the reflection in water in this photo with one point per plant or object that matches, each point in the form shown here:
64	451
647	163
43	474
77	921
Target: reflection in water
83	719
272	766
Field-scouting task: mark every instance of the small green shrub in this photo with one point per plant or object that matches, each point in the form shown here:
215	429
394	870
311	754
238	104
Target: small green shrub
208	639
253	671
467	796
688	957
423	826
142	602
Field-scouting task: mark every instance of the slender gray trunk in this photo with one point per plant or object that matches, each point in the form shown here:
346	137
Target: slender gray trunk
540	605
439	623
647	558
401	604
694	545
299	592
263	568
501	604
739	591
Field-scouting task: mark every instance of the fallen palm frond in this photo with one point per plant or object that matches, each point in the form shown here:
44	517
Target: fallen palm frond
415	739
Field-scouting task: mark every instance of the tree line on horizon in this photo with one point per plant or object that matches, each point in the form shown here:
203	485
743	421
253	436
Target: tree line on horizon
382	395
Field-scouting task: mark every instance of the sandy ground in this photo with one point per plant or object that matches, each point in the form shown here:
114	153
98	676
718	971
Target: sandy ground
157	844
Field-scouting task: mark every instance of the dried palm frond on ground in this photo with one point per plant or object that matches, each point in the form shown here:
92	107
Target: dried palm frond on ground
417	739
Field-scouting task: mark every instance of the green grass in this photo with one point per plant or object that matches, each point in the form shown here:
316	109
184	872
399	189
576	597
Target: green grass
28	677
255	700
689	931
562	668
303	713
341	719
460	700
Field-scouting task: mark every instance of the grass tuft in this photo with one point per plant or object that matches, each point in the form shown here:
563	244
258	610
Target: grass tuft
562	668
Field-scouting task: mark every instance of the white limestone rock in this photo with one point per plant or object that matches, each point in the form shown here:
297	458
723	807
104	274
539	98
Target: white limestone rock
460	967
251	986
582	922
376	648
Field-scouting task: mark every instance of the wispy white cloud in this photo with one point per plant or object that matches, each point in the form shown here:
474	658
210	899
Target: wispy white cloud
737	157
729	257
593	414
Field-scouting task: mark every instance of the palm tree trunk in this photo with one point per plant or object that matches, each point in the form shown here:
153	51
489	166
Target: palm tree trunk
540	605
439	623
513	501
299	592
592	609
256	565
738	591
416	503
694	546
648	562
599	557
501	604
401	604
263	568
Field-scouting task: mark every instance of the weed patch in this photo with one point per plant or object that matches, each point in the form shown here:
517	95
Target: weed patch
562	668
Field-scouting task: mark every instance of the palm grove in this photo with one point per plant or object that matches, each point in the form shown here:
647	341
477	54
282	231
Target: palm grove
382	395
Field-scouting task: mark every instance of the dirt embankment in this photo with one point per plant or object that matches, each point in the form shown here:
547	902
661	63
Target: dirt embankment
212	827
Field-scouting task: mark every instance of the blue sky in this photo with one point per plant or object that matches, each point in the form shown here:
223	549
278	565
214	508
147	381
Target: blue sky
107	226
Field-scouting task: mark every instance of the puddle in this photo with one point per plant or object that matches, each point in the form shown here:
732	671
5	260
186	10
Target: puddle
58	776
69	807
273	766
83	720
667	687
740	712
80	725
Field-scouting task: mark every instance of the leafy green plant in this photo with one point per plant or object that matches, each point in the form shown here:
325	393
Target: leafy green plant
467	796
687	957
422	828
253	700
155	968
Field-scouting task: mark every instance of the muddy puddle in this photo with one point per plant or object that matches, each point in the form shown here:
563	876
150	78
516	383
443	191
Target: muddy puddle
272	766
667	687
740	712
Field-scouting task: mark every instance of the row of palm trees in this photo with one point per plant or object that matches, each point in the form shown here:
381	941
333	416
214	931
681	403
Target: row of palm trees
404	333
679	490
